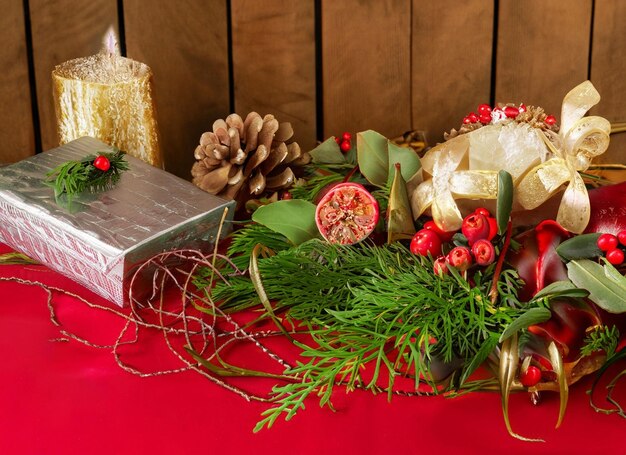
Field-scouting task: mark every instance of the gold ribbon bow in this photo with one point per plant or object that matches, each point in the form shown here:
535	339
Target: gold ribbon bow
449	183
580	139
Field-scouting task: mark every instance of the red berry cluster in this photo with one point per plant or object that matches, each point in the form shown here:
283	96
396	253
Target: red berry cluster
610	244
479	228
345	142
486	114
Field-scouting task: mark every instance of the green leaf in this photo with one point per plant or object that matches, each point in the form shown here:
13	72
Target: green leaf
561	289
584	246
372	153
15	258
530	317
505	200
295	219
607	288
400	223
406	157
483	352
328	152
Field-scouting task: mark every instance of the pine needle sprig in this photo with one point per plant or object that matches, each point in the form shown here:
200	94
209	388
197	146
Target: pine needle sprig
374	314
309	189
245	239
602	338
78	176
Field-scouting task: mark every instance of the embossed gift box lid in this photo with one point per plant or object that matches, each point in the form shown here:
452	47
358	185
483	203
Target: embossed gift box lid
148	211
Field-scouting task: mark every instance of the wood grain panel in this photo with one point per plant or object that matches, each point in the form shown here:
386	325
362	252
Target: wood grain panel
17	138
543	51
185	44
451	62
274	62
608	67
366	66
63	30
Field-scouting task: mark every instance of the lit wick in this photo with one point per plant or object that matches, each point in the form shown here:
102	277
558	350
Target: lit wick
110	47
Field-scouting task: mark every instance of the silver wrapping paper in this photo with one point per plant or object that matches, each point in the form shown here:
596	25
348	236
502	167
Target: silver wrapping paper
99	239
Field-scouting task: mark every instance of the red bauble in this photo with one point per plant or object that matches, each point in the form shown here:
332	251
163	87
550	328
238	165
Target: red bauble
345	146
346	136
102	163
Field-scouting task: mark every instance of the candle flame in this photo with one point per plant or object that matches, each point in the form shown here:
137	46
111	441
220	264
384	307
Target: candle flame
110	44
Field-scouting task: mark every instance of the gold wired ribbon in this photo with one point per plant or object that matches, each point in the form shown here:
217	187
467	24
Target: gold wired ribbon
580	140
450	183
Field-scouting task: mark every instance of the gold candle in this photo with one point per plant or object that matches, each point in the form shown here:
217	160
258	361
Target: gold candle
108	97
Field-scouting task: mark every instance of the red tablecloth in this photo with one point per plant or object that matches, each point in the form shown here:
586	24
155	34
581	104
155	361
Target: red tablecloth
68	398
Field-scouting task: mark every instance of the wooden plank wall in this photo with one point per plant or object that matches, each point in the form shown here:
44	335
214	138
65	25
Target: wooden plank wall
325	66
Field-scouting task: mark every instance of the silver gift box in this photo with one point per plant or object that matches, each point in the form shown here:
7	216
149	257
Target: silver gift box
99	239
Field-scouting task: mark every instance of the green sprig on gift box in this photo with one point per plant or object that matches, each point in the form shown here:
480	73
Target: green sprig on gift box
94	173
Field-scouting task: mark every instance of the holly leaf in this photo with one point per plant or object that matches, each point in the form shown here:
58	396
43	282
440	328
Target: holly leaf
328	152
400	223
372	155
406	157
294	218
606	286
505	200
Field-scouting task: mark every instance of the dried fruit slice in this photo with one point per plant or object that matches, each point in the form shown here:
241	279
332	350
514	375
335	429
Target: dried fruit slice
347	214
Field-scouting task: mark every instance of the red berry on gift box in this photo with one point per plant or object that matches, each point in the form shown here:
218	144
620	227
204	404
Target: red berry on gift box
615	256
484	109
424	242
522	108
346	136
475	227
472	117
466	120
443	235
338	140
550	120
440	266
622	237
102	163
345	146
483	252
286	196
460	257
530	377
511	111
607	242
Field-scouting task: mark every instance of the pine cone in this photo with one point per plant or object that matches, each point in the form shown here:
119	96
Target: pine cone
240	159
